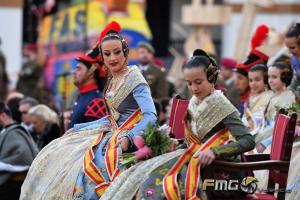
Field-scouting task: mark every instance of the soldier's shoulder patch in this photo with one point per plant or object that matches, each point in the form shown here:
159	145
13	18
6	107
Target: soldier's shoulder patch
96	108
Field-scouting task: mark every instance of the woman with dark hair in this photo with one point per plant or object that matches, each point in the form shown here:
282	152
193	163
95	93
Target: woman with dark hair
260	95
280	77
129	101
88	156
210	120
292	41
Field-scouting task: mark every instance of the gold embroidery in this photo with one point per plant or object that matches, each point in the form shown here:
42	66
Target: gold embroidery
211	111
259	102
158	181
163	171
228	150
132	79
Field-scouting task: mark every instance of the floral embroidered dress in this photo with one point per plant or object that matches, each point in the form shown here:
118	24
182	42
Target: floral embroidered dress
254	111
283	100
211	120
59	171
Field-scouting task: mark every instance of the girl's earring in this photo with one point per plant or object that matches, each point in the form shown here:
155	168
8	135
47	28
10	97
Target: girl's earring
212	88
105	69
125	63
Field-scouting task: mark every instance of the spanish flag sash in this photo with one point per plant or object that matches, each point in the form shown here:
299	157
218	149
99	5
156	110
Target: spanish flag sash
111	154
170	185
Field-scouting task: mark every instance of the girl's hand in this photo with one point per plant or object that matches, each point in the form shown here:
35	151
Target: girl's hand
124	144
260	148
206	157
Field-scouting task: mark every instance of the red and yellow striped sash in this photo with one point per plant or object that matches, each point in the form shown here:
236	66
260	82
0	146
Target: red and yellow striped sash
111	154
189	137
170	185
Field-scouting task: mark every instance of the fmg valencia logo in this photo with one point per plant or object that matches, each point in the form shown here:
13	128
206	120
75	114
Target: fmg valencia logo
248	185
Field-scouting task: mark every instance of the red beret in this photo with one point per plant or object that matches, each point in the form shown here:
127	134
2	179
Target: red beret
32	47
228	63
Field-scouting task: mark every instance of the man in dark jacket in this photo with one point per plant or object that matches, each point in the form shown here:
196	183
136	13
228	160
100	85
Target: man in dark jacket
30	74
89	78
155	77
17	151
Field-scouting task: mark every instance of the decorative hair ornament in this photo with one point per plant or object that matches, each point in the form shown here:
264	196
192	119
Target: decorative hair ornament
200	52
287	70
213	75
213	69
113	27
114	35
93	56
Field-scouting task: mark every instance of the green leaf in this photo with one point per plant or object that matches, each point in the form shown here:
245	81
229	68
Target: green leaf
157	140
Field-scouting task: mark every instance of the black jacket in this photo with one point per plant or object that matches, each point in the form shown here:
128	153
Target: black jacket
51	132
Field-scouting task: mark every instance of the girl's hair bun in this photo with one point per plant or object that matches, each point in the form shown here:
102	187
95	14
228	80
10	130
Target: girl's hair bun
199	52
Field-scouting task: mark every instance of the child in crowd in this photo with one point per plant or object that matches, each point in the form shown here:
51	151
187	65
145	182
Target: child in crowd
280	77
260	96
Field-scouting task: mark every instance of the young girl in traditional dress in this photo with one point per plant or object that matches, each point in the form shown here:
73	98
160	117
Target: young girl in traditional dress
280	77
260	96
